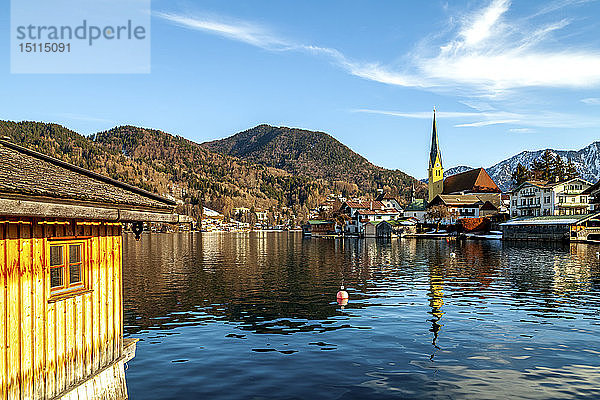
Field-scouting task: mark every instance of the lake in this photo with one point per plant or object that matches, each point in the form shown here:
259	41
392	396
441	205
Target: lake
254	316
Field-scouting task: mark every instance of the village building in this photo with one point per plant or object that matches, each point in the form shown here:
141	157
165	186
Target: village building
593	193
61	334
417	209
240	212
586	229
390	202
550	228
381	229
404	226
321	228
458	206
539	198
474	181
262	215
361	212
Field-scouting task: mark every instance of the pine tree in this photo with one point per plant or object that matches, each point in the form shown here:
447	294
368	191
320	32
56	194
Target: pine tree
558	170
571	171
542	167
520	174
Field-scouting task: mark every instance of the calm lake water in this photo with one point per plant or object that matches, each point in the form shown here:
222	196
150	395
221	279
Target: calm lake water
254	316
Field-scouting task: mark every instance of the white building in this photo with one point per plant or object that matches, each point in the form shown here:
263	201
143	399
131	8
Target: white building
364	212
537	198
458	205
416	209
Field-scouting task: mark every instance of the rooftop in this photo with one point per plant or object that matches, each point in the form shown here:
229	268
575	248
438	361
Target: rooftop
374	204
473	181
29	178
457	200
547	220
416	205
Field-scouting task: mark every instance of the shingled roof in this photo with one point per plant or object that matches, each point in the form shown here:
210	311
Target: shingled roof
472	181
28	176
457	200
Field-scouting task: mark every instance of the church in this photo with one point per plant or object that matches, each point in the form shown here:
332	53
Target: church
471	193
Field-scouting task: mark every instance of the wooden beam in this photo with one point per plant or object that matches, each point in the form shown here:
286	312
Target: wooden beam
50	210
25	208
134	216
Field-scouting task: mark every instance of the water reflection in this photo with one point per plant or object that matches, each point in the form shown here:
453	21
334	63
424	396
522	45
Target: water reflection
425	318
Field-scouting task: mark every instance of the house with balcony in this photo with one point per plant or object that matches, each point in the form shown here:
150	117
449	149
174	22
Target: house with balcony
362	212
593	193
570	197
463	206
538	198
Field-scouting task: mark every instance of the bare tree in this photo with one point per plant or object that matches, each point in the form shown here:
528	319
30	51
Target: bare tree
438	214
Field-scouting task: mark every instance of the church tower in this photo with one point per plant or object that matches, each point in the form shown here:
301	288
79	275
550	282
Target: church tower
436	170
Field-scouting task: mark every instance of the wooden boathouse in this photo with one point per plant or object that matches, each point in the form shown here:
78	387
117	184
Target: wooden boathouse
61	311
551	228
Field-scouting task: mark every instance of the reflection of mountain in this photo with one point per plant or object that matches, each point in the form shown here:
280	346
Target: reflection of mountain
269	282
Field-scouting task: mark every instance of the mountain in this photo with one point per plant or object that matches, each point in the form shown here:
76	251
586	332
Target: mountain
316	155
457	170
171	166
586	160
184	170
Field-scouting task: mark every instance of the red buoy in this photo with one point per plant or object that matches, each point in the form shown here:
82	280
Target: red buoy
342	294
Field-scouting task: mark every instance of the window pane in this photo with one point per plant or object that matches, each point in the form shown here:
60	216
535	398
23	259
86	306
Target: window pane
74	253
56	277
74	273
56	255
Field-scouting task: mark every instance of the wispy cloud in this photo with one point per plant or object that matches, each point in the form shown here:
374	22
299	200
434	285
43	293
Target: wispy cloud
521	130
261	37
242	31
487	52
486	123
478	119
593	101
478	105
480	28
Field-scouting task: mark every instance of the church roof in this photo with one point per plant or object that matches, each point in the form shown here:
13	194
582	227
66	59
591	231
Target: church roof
435	146
472	181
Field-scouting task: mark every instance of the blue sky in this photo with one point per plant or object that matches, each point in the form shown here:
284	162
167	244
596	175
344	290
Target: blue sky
504	77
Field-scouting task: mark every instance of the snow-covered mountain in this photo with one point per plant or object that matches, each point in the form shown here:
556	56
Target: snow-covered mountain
457	170
587	161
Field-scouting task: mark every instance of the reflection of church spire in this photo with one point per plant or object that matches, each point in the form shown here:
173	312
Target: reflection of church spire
436	301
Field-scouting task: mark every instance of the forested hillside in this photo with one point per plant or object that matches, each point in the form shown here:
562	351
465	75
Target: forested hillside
174	166
313	154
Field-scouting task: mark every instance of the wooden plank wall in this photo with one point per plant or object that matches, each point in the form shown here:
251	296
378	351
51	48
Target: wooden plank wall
48	345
